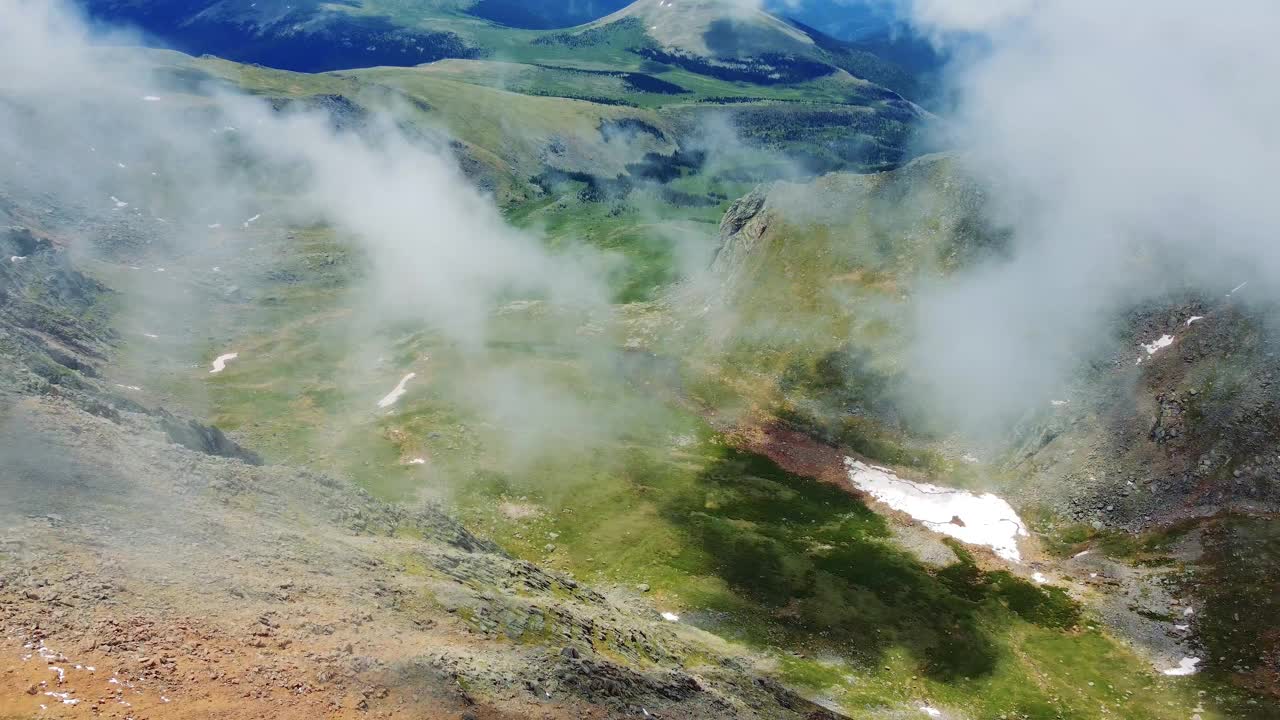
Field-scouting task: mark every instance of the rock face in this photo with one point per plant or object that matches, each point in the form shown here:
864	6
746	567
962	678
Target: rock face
177	564
741	229
204	438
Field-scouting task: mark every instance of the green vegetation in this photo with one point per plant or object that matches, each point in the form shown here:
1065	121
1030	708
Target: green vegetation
595	463
1239	582
1067	539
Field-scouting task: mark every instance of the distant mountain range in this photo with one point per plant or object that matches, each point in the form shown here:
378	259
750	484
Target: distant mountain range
317	36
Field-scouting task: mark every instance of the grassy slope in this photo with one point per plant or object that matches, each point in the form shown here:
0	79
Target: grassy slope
725	539
660	499
656	497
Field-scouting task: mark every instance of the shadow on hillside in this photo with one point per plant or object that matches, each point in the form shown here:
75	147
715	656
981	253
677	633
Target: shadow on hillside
810	565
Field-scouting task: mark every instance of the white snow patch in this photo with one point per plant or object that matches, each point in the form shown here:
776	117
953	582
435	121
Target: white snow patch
44	652
1186	666
930	711
150	335
1238	288
975	519
17	258
670	617
62	674
395	394
970	458
1194	319
417	461
1182	628
1154	347
119	203
252	220
122	166
220	362
128	387
1189	612
1082	553
1039	578
151	98
64	697
215	226
1059	403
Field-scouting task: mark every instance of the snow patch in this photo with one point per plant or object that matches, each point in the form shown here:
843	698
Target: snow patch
1186	666
417	461
395	394
670	617
151	98
252	220
1238	288
975	519
1059	403
1154	347
17	258
220	362
930	711
64	697
1039	578
1194	319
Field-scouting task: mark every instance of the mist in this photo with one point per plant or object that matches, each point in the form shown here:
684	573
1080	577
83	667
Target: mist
1131	149
202	174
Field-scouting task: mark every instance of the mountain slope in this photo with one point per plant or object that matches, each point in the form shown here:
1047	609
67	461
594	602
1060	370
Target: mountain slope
190	580
1162	470
543	14
306	35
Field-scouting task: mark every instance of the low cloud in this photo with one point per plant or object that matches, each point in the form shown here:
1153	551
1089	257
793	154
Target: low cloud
1132	150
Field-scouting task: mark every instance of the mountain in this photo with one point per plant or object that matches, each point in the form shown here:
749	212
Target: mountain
543	14
407	607
711	37
1158	472
601	371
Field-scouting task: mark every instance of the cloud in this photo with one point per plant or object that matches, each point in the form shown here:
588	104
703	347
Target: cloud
191	173
966	16
1132	149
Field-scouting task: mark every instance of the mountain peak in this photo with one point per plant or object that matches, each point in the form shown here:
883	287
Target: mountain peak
724	29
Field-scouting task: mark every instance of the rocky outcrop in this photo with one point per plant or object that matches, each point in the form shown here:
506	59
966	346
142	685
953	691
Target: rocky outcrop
204	438
744	223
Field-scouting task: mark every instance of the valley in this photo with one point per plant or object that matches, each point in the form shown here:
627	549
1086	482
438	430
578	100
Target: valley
544	364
